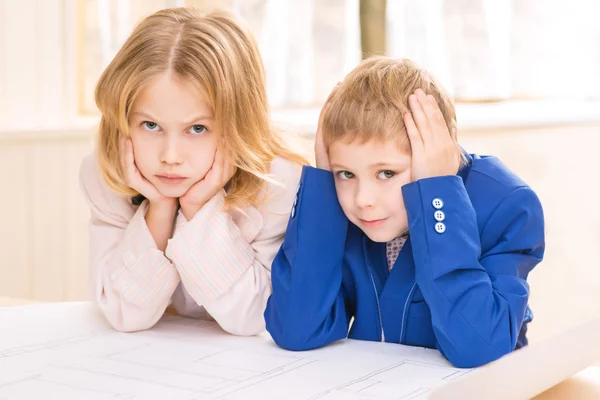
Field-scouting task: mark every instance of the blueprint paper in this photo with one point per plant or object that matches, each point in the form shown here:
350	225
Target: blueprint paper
67	351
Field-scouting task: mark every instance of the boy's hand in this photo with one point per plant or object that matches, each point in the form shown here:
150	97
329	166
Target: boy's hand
135	179
202	191
321	157
434	151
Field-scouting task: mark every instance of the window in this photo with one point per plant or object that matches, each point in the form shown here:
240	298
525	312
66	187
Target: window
53	51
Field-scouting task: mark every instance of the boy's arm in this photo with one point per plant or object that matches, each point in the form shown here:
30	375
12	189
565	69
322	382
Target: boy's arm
307	307
477	301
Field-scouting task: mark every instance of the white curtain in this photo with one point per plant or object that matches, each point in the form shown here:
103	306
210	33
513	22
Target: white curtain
501	49
307	46
108	23
480	49
52	53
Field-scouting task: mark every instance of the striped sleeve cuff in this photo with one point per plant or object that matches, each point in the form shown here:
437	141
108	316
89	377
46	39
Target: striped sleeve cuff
209	252
180	221
137	269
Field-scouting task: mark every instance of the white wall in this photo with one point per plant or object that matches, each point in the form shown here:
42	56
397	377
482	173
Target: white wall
43	234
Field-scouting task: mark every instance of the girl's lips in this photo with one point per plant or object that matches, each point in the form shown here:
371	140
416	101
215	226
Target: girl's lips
171	179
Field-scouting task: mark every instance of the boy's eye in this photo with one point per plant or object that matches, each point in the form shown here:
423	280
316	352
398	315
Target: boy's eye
386	174
150	126
197	129
345	175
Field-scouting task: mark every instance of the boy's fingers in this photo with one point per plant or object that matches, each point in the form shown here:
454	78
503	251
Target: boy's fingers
416	141
435	113
419	118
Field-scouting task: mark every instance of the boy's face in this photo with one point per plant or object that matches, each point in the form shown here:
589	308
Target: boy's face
368	180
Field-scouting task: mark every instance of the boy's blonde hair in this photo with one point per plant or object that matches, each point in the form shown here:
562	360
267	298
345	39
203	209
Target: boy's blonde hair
219	57
372	100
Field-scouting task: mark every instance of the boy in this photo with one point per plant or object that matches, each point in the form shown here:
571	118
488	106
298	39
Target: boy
420	243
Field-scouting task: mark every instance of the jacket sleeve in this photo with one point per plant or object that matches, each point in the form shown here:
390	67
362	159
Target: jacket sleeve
477	301
130	279
307	308
225	271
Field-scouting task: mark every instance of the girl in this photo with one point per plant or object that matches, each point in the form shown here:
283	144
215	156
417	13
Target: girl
189	188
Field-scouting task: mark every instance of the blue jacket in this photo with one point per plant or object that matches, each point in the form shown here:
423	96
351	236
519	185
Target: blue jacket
461	289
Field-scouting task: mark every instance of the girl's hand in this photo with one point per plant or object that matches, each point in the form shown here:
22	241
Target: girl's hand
136	180
202	191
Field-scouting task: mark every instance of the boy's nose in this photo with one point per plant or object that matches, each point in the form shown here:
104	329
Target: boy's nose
365	197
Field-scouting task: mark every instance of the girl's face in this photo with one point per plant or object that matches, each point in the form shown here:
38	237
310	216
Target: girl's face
172	131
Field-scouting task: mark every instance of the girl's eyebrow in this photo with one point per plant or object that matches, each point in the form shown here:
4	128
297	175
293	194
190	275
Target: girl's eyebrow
143	114
197	118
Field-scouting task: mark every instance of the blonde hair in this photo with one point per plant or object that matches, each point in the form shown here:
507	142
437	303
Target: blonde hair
217	55
372	100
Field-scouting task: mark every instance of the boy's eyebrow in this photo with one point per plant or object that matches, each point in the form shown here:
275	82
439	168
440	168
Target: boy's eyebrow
376	165
385	164
338	166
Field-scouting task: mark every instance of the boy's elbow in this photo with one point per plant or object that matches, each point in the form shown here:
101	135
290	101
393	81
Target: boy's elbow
476	355
293	339
472	360
298	339
292	342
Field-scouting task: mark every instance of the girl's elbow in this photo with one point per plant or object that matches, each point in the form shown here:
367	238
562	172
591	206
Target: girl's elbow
243	327
127	326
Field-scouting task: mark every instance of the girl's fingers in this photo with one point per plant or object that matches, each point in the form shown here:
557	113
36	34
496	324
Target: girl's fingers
129	160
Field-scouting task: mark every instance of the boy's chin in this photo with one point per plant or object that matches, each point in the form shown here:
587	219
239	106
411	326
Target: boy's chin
380	236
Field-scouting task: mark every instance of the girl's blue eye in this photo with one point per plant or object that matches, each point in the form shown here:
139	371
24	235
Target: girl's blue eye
345	175
197	129
386	174
150	126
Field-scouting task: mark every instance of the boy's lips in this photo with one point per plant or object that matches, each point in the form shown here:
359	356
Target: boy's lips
373	223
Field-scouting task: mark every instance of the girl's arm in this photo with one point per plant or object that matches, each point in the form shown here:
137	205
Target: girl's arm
160	221
130	279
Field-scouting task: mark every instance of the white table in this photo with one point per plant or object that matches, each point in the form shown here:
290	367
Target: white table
68	350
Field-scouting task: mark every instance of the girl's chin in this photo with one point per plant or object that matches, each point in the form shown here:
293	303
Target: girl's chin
174	192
